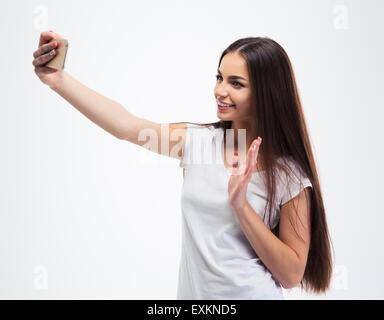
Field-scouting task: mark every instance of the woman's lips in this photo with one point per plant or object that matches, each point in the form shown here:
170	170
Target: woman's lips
223	108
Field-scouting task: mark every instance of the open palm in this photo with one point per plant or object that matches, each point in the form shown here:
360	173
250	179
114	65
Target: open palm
240	177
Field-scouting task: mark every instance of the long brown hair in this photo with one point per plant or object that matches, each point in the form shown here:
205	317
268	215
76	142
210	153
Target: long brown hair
280	121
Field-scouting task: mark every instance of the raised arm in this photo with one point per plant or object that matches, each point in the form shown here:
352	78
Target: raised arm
106	113
166	139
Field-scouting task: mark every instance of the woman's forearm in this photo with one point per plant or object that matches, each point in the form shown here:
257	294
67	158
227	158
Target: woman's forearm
278	257
106	113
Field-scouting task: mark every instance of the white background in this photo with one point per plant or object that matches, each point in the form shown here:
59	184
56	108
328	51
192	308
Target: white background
85	215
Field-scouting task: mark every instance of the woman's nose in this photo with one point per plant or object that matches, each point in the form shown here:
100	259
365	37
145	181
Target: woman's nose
220	91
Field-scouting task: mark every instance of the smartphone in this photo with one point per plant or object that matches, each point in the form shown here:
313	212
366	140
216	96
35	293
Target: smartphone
58	61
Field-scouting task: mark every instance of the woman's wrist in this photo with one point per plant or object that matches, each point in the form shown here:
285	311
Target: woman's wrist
239	208
58	81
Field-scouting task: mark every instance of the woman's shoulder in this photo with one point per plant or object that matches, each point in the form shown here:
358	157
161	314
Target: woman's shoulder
290	170
287	161
203	128
210	126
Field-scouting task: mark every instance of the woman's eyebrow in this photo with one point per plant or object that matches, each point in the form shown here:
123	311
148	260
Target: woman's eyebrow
232	77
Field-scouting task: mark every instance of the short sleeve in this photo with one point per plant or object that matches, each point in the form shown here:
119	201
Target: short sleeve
198	145
294	184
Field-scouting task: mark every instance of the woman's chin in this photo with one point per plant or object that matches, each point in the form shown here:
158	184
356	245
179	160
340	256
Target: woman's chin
222	115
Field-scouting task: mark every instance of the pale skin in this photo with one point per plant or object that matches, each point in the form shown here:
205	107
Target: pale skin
285	256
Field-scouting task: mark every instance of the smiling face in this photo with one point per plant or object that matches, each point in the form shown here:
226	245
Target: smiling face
233	87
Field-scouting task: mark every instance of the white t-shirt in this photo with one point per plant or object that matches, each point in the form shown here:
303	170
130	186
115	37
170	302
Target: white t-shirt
217	260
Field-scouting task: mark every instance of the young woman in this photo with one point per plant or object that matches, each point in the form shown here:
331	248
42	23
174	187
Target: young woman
254	222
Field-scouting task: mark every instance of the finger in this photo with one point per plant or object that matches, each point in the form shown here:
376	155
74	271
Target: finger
45	48
258	143
57	35
248	176
257	148
39	61
46	70
250	157
46	37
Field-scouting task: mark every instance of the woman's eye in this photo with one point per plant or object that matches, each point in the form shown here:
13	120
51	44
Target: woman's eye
238	83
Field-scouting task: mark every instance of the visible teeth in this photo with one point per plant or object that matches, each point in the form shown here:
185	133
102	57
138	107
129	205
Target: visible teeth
224	105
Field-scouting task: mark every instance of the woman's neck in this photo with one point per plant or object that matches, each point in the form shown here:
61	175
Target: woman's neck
250	132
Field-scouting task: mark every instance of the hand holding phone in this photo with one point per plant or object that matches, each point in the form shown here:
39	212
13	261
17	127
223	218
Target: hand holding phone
49	58
58	61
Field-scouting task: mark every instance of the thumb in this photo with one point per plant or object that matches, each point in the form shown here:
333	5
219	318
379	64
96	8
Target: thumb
57	36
